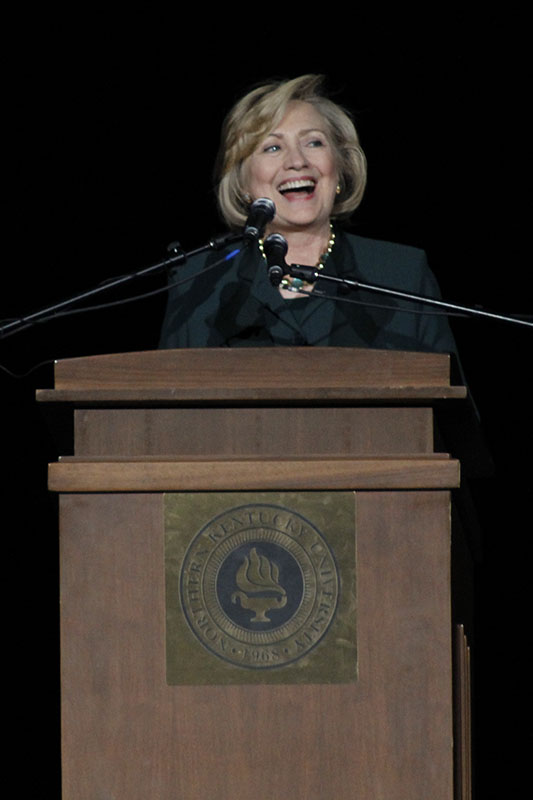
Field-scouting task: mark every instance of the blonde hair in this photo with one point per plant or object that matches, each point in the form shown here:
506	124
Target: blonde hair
256	115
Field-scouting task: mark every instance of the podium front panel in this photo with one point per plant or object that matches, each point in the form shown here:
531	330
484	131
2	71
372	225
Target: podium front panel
130	735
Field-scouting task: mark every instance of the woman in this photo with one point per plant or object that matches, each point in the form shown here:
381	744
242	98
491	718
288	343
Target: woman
287	142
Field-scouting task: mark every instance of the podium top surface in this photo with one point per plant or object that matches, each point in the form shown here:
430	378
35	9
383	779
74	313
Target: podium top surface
253	374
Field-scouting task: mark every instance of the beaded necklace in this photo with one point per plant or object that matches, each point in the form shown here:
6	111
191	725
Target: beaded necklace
296	284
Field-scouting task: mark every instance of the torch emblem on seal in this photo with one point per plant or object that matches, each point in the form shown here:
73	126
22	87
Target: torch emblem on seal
260	591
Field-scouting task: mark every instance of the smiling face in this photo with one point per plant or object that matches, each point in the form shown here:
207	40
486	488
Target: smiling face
295	166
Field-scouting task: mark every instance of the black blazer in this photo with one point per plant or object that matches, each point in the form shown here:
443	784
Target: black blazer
234	305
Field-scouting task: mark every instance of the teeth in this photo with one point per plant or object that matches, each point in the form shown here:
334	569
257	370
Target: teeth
293	185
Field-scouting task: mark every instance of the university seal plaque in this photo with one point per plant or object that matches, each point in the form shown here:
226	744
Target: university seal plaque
258	589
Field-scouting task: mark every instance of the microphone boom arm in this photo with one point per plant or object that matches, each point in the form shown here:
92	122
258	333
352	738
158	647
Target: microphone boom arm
311	275
179	258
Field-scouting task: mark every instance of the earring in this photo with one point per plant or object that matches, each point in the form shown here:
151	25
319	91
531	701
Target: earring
247	198
338	188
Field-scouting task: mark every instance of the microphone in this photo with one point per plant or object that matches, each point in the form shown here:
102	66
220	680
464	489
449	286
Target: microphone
262	211
275	248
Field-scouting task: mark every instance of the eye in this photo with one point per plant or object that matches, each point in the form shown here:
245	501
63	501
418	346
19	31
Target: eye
271	148
316	143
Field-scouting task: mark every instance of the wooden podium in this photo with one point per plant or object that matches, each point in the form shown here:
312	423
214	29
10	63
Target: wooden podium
208	424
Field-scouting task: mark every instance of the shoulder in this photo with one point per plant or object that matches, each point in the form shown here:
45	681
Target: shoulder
388	263
379	250
203	271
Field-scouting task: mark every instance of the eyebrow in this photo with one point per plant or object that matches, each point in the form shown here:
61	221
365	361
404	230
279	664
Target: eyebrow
301	133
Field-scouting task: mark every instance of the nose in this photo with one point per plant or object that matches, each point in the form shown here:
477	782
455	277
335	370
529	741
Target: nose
295	157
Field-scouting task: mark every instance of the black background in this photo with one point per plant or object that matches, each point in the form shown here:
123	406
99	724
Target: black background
112	124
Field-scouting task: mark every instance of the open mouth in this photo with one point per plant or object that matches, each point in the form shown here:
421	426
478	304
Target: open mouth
303	186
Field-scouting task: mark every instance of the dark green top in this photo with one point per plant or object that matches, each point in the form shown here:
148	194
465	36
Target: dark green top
234	305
